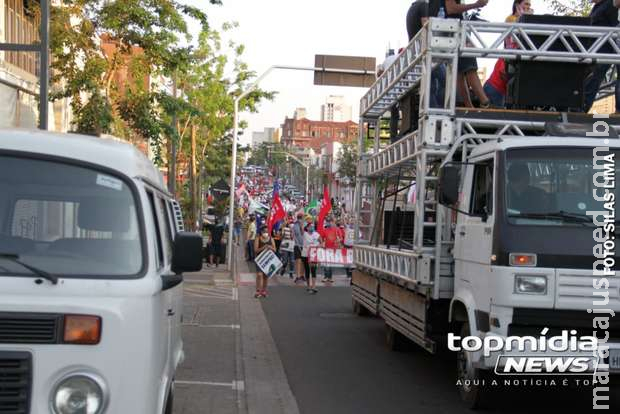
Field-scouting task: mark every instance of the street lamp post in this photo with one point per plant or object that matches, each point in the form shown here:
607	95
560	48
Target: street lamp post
250	89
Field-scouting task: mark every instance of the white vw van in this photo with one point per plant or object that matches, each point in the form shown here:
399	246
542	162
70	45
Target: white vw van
91	263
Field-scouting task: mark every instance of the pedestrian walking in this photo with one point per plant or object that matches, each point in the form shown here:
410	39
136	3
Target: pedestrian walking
251	237
217	232
311	239
262	242
332	239
287	249
298	238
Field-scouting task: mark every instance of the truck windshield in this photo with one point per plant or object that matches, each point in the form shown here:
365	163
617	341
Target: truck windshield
66	220
553	186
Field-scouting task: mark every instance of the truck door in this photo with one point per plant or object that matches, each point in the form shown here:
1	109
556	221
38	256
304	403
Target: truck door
474	233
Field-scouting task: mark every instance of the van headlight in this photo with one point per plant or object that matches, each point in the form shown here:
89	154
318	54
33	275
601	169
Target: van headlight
531	284
79	394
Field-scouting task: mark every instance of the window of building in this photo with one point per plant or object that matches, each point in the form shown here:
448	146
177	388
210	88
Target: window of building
21	26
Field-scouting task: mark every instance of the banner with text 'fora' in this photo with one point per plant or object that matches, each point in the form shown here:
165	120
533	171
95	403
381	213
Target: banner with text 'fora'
331	257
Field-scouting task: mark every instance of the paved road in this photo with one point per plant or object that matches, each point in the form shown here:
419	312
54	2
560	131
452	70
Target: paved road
338	363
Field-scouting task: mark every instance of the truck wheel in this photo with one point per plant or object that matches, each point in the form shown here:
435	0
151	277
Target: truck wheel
470	379
359	309
170	401
395	340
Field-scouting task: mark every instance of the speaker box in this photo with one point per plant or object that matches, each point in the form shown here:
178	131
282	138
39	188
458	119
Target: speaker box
547	84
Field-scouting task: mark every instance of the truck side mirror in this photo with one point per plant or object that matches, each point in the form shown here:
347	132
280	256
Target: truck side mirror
449	178
187	253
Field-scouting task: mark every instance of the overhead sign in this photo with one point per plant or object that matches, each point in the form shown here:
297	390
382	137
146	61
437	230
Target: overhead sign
355	71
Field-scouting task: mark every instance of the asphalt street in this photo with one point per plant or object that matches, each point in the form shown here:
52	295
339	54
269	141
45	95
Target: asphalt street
337	362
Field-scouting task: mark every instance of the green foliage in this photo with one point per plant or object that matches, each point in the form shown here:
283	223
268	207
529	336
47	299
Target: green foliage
348	157
146	34
268	154
571	7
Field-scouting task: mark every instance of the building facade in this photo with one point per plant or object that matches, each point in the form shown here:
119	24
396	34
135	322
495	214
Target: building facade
19	71
336	109
305	133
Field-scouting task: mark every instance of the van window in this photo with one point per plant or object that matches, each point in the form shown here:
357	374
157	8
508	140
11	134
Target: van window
167	233
68	220
156	220
482	191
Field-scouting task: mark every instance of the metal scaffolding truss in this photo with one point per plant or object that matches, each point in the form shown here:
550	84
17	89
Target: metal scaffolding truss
445	133
444	38
407	70
569	44
399	264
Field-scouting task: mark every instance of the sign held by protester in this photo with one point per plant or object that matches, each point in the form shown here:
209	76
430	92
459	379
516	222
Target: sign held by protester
331	257
268	262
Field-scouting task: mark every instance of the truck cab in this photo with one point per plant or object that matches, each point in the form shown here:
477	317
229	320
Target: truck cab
523	237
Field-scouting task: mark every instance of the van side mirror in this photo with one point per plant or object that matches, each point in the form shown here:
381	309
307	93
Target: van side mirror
187	252
449	178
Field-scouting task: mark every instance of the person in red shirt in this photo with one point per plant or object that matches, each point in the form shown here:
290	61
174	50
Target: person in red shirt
332	239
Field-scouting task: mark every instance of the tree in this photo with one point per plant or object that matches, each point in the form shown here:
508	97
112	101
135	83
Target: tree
348	157
209	84
269	154
571	7
94	43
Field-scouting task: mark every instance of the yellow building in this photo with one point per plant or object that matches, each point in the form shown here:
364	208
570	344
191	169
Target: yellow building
604	106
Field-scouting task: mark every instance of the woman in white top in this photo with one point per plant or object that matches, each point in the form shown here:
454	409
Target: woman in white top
311	239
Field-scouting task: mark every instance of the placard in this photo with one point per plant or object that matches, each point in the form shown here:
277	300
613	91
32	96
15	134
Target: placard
268	262
331	257
287	245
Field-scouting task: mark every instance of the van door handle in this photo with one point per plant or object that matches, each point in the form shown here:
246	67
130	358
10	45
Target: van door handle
171	312
463	233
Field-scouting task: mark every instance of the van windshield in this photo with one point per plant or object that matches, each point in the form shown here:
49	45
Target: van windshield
554	187
67	220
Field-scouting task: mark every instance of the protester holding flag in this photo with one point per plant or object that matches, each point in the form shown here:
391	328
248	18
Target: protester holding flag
330	234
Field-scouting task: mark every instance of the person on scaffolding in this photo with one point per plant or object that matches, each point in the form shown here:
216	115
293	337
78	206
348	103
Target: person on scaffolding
467	66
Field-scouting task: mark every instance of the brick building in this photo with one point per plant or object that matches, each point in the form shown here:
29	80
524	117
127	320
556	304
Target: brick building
305	133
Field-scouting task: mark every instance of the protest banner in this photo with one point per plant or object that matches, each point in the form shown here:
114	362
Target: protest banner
331	257
268	262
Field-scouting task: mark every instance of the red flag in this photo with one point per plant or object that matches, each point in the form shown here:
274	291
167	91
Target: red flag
276	213
326	206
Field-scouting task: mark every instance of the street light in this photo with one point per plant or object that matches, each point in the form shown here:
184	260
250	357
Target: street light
303	164
356	75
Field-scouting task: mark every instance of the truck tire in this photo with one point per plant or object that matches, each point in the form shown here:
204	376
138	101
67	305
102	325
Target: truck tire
471	388
359	309
396	341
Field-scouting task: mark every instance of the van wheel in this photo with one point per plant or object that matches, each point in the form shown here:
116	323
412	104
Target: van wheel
359	309
396	341
170	401
471	380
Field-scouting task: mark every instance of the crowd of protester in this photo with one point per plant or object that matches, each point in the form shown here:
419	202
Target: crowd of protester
292	237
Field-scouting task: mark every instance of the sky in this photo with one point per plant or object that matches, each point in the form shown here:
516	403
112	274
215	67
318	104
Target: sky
291	32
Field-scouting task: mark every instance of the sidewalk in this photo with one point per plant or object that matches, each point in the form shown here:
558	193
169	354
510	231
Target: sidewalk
232	365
